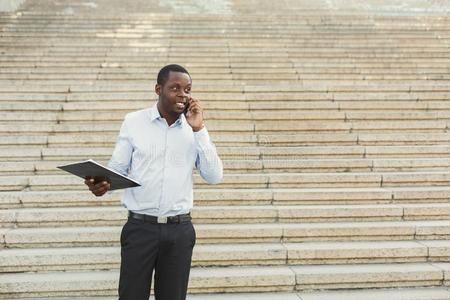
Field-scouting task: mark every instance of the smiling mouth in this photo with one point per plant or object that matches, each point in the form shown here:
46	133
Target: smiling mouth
180	105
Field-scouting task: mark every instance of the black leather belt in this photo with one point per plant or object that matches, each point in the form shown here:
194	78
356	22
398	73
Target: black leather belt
160	220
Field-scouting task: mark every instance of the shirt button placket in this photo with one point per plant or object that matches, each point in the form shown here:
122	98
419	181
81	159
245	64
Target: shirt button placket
163	178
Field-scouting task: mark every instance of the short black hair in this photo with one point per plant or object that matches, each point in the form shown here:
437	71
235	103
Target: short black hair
163	74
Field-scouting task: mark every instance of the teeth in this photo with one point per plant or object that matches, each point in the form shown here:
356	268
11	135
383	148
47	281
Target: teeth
180	105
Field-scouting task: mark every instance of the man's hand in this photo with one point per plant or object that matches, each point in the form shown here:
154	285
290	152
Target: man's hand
194	115
98	189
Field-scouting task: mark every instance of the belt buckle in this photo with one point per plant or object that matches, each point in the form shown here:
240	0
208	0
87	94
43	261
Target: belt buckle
162	220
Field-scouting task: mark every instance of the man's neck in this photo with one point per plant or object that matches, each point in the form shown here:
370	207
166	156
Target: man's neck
170	119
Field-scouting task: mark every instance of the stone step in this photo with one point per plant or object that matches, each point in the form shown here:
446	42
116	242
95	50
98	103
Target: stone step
91	258
406	151
29	106
92	40
396	116
224	74
23	141
137	96
265	196
244	126
80	140
421	61
105	114
417	35
309	253
412	139
128	67
344	16
392	126
239	196
336	81
249	166
49	128
353	48
381	91
309	43
116	215
270	52
210	99
59	140
426	293
221	103
265	165
408	194
247	80
256	180
412	90
258	117
235	279
353	41
406	105
13	49
237	233
246	152
437	293
321	77
272	180
253	93
105	282
332	277
213	71
13	101
236	166
299	64
193	70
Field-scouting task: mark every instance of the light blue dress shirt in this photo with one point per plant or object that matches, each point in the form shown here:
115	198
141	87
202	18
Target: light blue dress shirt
162	159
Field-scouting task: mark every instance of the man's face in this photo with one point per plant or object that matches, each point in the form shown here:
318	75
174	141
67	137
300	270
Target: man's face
173	95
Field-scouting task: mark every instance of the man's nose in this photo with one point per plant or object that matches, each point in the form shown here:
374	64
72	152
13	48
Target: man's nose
183	95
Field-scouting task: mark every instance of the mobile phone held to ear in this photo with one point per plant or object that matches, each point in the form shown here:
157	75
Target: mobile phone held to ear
186	108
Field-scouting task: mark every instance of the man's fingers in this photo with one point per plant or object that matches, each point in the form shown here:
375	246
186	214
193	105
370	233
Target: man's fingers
195	107
101	187
99	192
89	181
101	184
193	101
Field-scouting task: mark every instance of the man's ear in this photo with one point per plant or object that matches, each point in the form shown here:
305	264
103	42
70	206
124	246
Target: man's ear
158	89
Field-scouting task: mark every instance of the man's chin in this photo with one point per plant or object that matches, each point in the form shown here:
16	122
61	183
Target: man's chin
178	110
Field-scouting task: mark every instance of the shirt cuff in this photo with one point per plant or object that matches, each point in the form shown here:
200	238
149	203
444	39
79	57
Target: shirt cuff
202	136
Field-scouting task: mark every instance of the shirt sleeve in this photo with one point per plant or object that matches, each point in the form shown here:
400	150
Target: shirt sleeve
121	157
208	162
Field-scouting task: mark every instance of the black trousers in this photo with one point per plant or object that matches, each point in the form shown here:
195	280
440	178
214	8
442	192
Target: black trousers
163	248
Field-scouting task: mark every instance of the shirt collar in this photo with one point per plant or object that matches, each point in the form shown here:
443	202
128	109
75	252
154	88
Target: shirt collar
154	114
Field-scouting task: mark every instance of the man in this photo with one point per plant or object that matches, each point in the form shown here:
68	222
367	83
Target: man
159	147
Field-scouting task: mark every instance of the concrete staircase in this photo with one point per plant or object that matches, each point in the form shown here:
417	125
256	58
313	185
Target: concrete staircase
333	128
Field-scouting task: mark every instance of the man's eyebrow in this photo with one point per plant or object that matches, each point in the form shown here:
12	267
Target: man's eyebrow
179	84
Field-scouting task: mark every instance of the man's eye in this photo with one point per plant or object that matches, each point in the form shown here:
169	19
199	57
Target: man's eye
187	91
174	88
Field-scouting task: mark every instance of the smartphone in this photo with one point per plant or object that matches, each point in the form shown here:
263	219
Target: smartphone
186	108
